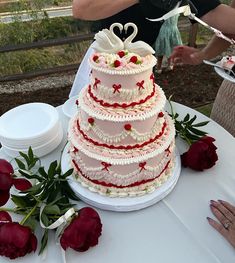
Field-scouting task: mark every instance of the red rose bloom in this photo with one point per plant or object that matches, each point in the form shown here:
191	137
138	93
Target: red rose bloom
134	59
95	58
16	240
83	232
6	170
121	53
117	63
201	154
5	217
22	184
6	181
4	197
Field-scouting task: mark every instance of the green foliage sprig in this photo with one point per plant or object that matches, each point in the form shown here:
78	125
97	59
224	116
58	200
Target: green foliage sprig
186	128
51	189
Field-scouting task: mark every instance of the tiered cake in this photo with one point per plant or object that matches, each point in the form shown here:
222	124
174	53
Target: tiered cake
121	140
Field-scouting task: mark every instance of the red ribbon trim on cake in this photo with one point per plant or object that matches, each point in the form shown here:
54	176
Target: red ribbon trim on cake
123	105
118	186
121	147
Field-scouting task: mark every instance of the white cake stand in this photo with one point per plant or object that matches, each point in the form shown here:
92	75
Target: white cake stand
121	204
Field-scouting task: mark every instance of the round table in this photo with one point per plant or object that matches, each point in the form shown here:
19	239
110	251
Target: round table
174	229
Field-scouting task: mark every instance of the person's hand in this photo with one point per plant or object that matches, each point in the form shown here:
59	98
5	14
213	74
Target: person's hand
225	213
186	55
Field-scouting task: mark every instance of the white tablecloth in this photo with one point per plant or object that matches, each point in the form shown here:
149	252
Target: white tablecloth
173	230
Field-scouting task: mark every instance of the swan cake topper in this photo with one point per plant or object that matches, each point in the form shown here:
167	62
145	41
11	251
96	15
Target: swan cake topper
107	41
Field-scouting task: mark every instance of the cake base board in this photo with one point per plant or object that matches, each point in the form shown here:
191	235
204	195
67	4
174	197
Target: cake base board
121	204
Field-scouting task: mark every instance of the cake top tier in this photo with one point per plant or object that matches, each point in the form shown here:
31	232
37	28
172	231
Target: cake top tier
114	54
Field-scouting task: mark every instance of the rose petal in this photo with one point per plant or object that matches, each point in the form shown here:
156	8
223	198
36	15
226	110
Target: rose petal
4	197
5	181
5	217
16	240
22	184
88	212
5	167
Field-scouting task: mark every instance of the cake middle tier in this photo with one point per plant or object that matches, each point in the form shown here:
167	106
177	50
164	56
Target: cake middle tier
122	153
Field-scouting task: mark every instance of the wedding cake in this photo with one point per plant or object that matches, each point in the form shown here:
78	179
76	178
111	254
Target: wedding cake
121	140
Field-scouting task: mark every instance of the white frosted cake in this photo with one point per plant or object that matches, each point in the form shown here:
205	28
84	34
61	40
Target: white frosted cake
122	142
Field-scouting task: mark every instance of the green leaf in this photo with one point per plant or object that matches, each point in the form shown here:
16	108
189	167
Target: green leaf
52	169
176	116
29	175
36	189
67	190
190	122
25	156
54	194
30	154
51	210
186	118
200	124
43	173
33	162
31	222
44	219
197	132
44	241
22	201
68	173
20	164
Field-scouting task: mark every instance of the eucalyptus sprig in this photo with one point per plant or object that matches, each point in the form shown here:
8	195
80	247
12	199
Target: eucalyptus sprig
186	128
51	190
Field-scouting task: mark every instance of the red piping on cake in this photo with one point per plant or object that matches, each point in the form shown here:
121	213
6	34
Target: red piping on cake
121	147
123	105
118	186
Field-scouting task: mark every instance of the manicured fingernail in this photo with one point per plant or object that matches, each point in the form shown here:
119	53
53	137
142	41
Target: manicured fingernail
208	218
213	202
221	201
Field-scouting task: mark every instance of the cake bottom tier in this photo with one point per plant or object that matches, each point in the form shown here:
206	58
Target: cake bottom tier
111	181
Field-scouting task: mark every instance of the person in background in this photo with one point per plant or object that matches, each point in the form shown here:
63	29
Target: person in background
123	11
168	38
223	110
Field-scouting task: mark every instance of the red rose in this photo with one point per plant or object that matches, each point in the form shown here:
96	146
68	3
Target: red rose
116	63
22	184
5	217
83	232
95	58
121	53
201	154
6	181
5	167
16	240
4	196
6	170
134	59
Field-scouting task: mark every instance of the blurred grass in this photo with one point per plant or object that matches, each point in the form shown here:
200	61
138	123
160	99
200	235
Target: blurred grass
205	109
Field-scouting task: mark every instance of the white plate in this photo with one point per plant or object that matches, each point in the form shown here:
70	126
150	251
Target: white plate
70	107
28	121
222	73
121	204
41	150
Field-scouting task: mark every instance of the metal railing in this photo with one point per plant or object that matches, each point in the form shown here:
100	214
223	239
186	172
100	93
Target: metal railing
43	44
